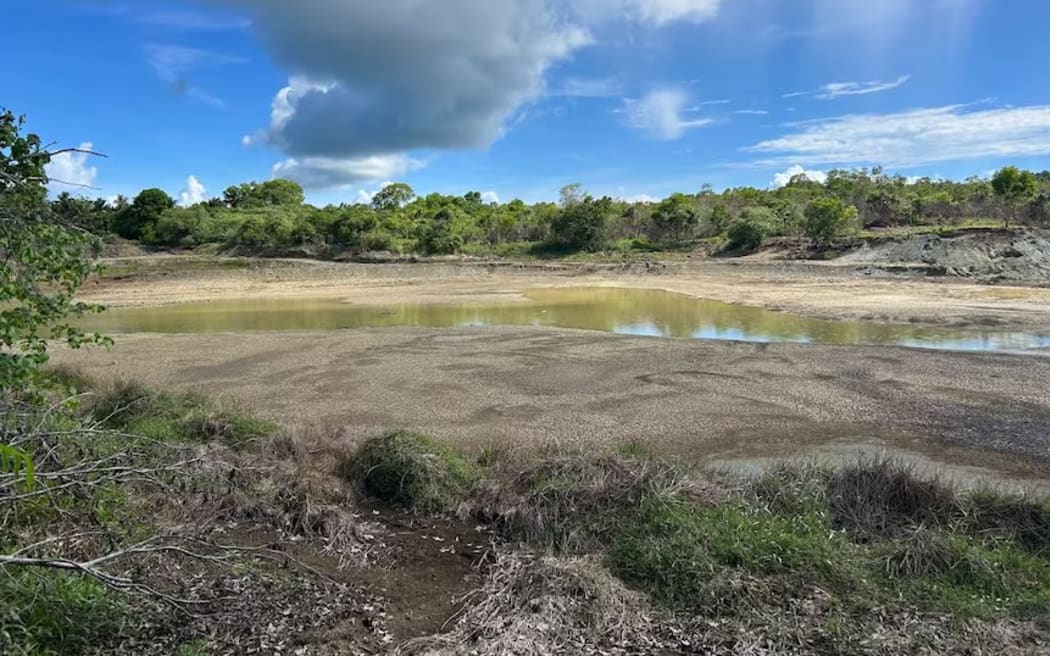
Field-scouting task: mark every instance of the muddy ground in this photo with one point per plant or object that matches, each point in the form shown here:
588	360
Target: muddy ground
526	387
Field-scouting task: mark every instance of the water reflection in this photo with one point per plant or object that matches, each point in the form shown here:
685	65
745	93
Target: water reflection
623	311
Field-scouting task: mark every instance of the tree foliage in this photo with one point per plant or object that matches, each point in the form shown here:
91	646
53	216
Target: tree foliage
676	217
1014	186
582	225
827	219
46	259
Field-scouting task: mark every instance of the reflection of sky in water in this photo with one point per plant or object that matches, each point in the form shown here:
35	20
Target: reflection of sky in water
646	313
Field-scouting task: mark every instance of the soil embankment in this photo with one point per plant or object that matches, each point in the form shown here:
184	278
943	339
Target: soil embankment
994	256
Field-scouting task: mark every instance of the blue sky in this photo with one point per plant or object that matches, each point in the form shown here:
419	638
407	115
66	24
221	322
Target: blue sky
632	98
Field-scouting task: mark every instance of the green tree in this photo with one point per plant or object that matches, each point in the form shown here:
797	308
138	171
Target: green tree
826	219
393	196
46	260
1014	187
438	236
277	192
754	225
582	225
138	219
676	216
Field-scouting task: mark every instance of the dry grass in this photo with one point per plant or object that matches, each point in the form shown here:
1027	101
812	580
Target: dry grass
541	607
882	497
572	502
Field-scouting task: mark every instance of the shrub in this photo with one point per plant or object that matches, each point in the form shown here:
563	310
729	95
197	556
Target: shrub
581	225
751	228
411	470
827	219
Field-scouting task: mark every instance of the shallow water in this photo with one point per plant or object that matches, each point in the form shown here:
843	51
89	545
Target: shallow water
622	311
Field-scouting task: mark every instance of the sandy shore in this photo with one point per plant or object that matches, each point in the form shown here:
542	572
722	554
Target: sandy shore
983	414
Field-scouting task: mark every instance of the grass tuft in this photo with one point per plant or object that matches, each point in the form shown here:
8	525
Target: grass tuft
873	499
411	470
135	409
572	502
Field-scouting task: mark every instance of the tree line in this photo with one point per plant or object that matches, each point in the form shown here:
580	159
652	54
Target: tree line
272	218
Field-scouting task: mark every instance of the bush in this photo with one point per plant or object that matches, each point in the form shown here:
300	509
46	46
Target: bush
751	228
411	470
581	225
828	218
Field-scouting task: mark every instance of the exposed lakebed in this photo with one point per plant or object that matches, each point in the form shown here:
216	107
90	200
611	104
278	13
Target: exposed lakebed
614	310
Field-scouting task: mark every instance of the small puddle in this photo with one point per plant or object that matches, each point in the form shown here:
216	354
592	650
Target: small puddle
622	311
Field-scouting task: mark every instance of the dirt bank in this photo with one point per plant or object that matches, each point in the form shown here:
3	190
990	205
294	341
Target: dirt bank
825	291
524	388
986	255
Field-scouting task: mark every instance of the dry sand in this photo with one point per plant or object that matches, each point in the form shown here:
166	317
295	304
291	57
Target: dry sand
524	387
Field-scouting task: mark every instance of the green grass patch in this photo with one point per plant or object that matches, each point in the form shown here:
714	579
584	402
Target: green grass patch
411	470
691	556
871	535
172	417
47	613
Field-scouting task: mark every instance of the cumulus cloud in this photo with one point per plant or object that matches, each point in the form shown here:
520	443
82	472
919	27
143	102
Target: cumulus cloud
337	172
384	79
380	78
662	114
71	170
489	197
784	177
193	193
915	137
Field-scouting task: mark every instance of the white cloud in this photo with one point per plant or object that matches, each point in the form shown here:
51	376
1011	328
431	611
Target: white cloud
193	193
489	197
751	112
784	177
71	170
835	90
661	114
373	79
334	172
599	87
913	137
652	12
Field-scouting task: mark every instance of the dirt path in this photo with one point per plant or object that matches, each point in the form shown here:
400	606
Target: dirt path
522	388
832	292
